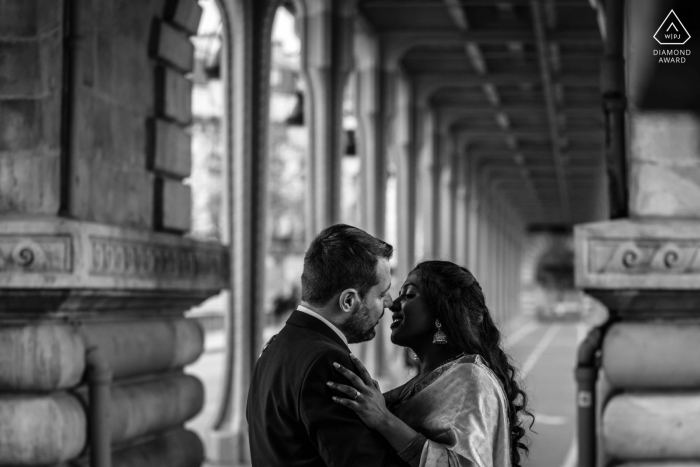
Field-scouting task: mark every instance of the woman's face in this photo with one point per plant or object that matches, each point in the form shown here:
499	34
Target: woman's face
412	325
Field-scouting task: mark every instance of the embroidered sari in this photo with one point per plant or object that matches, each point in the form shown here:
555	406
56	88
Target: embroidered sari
462	410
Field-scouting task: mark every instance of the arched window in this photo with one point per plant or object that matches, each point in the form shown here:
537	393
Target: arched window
286	174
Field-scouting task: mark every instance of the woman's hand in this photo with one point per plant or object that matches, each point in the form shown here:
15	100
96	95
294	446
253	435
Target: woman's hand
364	396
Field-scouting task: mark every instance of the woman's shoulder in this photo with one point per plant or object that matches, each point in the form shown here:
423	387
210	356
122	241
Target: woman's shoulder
477	373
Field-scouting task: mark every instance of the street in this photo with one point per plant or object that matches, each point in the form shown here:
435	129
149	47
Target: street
546	354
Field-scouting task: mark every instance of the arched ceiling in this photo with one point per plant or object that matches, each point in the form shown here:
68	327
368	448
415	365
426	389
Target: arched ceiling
521	79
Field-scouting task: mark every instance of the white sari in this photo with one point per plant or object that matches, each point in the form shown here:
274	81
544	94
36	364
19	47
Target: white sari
462	410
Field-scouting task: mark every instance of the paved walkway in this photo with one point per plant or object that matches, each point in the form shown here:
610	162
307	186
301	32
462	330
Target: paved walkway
546	354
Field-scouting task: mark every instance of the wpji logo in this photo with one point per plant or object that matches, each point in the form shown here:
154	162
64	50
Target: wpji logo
671	31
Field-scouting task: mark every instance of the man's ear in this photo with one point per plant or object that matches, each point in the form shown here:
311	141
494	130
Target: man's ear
348	300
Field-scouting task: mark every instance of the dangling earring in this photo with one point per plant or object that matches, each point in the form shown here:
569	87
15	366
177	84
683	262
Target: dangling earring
439	337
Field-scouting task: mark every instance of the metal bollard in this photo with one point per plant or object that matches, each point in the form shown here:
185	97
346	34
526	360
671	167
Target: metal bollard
586	377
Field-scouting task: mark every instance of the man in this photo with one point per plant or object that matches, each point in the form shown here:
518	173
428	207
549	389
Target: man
292	418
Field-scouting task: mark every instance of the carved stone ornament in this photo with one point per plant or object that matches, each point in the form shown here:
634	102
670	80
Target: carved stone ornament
644	256
71	254
640	266
631	254
20	253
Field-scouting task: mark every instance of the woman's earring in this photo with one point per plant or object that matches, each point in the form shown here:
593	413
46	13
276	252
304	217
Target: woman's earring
439	337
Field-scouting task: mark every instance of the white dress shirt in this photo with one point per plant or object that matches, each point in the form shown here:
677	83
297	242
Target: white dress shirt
308	311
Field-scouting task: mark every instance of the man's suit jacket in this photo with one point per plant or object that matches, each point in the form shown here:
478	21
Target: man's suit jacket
292	419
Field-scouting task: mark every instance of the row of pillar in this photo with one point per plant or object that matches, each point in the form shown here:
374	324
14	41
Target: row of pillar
444	211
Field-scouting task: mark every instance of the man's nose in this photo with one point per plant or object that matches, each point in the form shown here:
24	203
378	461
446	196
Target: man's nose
396	305
387	300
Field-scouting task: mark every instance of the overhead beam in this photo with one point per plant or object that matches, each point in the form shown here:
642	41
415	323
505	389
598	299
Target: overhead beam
510	163
478	133
519	109
492	36
428	84
549	97
454	7
510	78
463	3
434	54
478	62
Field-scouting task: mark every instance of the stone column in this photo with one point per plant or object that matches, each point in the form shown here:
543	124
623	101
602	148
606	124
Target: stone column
499	257
461	239
510	292
494	284
448	194
246	63
474	199
481	244
485	242
646	269
513	273
408	136
327	62
373	116
93	256
431	190
423	124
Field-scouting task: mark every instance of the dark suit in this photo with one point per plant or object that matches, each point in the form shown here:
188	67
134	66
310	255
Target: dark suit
293	420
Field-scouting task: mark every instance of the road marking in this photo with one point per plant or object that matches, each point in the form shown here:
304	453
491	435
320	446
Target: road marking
550	419
581	329
539	350
518	335
571	456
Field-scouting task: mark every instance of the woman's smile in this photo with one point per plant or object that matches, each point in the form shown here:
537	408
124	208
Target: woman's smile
395	320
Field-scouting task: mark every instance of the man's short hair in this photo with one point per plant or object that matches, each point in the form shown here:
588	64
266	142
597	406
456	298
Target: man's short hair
339	258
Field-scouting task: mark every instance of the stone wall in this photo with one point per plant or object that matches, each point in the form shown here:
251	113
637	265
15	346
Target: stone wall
646	268
94	110
31	46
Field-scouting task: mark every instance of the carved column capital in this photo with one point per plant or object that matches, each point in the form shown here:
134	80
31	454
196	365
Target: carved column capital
639	266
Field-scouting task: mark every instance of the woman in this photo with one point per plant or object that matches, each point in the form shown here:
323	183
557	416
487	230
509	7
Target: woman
462	409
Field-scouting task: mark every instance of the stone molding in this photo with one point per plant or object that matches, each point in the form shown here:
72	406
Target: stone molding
55	253
638	254
40	253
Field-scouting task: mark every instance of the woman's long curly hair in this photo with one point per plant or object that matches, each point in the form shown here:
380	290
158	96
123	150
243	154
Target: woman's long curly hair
456	299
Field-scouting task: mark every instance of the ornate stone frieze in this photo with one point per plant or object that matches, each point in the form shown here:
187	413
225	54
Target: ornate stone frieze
22	253
635	254
115	257
645	267
644	256
62	253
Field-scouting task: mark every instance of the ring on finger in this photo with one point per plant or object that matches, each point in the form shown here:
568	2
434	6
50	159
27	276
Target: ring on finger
357	394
